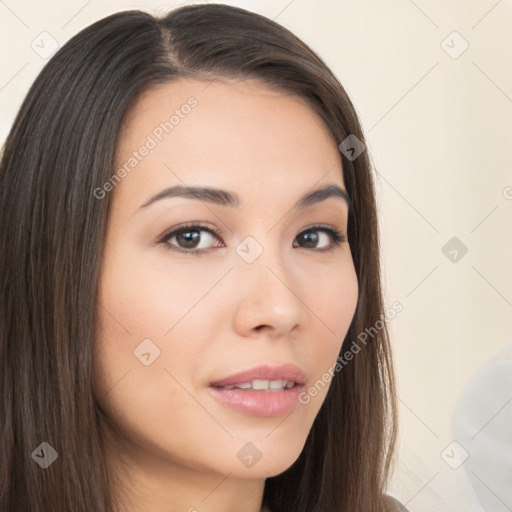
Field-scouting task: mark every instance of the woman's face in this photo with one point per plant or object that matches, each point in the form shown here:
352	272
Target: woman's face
179	311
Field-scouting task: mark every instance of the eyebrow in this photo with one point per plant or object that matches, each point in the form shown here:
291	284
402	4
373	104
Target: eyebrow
225	198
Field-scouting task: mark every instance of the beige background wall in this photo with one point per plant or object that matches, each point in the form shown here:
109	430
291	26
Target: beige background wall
439	129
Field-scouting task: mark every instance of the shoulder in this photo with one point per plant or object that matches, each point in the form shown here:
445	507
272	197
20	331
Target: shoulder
395	505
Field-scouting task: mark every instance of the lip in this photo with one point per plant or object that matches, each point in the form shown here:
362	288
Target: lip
261	402
265	372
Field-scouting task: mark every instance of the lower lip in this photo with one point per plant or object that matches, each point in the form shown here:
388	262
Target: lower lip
259	402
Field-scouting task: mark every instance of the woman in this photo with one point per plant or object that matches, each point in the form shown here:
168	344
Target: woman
190	268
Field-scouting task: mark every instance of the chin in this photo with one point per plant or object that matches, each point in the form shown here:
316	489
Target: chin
267	453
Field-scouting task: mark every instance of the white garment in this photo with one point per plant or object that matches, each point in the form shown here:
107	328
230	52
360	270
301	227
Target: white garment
482	425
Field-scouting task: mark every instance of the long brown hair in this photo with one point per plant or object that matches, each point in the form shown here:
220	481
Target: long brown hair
59	151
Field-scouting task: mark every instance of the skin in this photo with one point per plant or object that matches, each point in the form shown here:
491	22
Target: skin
214	314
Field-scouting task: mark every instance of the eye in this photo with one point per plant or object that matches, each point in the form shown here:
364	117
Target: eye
321	242
189	239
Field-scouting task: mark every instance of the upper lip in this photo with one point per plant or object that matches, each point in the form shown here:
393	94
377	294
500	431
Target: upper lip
287	372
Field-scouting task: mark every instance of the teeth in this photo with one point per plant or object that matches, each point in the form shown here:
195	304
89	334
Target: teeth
276	384
260	384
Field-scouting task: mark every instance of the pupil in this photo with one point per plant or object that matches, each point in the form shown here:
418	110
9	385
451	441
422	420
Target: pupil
312	237
191	238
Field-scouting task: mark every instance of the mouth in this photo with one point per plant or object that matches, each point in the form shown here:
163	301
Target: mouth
262	385
263	391
264	377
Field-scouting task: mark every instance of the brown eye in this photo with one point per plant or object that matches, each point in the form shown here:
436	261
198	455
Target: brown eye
193	238
317	237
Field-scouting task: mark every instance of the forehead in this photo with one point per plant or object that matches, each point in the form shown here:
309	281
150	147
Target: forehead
235	134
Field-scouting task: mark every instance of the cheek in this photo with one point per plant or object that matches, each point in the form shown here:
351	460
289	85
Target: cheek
334	298
144	312
156	313
148	295
333	301
154	320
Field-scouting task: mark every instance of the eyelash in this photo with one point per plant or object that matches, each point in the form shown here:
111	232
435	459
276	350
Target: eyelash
337	237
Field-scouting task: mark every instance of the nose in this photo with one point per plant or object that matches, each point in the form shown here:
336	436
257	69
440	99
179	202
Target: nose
269	297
